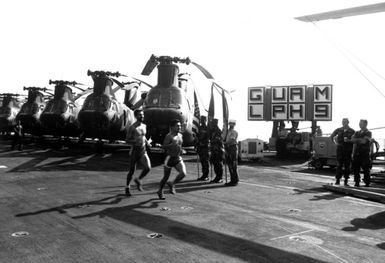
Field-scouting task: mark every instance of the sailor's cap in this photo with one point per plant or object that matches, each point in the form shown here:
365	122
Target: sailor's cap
232	121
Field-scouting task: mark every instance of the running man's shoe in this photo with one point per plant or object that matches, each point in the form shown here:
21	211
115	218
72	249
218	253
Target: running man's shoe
138	184
172	188
128	192
160	195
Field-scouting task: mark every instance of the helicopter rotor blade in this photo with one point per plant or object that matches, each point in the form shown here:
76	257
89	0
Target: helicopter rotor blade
79	88
115	90
203	70
89	90
49	93
138	104
150	65
225	90
130	86
141	81
120	86
117	82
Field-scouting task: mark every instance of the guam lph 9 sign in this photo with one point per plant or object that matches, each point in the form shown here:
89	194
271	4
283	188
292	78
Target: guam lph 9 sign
291	103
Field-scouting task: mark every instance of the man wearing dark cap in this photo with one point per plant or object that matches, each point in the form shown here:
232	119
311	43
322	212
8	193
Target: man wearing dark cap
202	146
361	153
342	137
231	148
217	151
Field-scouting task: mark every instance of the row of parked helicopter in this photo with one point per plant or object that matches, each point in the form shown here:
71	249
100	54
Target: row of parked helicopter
101	116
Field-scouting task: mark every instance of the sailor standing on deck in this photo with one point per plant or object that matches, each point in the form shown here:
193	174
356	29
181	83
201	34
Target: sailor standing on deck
173	146
136	136
231	148
342	137
361	153
202	145
17	136
217	151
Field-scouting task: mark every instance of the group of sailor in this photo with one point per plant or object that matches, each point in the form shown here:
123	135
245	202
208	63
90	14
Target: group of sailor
353	150
211	144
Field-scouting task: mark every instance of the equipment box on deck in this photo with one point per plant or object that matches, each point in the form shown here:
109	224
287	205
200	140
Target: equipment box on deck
251	149
324	152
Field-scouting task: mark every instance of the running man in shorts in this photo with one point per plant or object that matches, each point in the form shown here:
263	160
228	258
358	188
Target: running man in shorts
173	146
136	136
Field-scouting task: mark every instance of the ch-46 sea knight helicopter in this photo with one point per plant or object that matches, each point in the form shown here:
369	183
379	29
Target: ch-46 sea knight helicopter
60	116
29	114
169	99
8	111
102	115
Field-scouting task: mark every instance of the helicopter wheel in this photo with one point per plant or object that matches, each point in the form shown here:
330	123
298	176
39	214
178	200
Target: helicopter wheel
67	142
318	164
99	146
59	143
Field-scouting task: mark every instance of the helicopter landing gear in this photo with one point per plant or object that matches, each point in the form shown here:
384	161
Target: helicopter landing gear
59	144
67	142
99	146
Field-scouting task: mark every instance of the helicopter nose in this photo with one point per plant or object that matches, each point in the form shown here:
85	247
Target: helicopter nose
158	122
52	121
91	119
5	112
27	120
162	117
96	124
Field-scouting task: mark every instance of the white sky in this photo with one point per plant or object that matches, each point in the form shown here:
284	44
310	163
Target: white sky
242	43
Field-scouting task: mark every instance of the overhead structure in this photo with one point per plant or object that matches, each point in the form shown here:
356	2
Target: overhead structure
335	14
349	12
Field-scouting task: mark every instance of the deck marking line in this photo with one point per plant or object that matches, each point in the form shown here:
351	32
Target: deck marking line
363	202
266	186
330	253
293	234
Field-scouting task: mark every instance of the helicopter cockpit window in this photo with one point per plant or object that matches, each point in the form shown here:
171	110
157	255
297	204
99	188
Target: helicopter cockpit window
56	106
66	93
5	111
88	104
40	99
153	99
34	108
71	107
25	108
105	103
175	99
114	106
168	98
